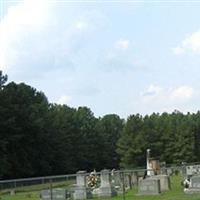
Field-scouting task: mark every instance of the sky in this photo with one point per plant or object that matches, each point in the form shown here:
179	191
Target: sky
122	57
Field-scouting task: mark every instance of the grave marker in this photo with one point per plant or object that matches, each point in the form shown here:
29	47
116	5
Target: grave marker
106	189
81	191
57	194
149	187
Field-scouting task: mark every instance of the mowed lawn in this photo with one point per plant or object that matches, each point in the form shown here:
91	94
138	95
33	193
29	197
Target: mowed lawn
176	193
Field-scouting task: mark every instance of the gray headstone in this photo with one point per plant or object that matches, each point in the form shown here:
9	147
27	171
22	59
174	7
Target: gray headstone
169	171
149	187
57	194
80	190
82	193
81	178
118	183
117	179
195	182
164	182
134	178
192	170
127	181
163	171
106	189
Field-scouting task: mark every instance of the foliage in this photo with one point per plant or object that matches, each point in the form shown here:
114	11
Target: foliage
38	138
173	138
3	79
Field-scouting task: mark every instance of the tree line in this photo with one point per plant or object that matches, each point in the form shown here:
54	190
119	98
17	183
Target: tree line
38	138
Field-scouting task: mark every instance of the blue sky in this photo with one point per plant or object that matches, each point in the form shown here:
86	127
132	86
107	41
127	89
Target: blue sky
122	57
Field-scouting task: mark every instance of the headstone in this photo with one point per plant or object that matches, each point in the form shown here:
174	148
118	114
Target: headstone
81	178
134	178
57	194
149	187
163	171
192	170
195	182
106	189
127	181
118	183
117	179
80	190
164	182
169	171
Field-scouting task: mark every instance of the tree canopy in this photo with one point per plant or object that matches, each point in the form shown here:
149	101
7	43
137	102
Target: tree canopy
38	138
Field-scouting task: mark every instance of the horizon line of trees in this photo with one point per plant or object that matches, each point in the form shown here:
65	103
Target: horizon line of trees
38	138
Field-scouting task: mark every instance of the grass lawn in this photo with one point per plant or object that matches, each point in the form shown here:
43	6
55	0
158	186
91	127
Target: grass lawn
176	193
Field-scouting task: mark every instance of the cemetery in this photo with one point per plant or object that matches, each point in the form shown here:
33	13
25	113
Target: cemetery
154	182
99	100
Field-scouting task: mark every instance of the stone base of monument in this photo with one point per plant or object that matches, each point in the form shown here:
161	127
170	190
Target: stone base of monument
191	190
55	194
149	187
164	182
107	192
82	193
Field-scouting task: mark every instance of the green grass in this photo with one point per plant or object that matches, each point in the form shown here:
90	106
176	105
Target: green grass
176	193
21	196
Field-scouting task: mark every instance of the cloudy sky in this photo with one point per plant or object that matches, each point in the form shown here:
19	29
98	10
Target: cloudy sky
122	57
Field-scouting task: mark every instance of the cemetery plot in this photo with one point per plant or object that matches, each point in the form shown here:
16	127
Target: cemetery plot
149	187
176	193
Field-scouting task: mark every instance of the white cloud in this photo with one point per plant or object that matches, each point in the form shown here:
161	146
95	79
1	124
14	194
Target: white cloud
64	99
37	33
191	44
178	50
155	93
122	44
89	21
152	90
121	56
182	93
25	17
81	25
159	99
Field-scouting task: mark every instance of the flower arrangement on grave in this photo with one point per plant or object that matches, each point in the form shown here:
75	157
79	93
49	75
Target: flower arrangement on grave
93	180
